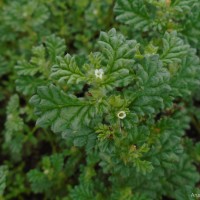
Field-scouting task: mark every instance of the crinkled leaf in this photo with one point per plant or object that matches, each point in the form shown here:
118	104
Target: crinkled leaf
55	47
153	86
59	110
133	13
117	58
3	174
66	71
173	48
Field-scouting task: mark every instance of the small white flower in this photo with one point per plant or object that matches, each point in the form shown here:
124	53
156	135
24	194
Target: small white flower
121	114
99	73
46	171
95	11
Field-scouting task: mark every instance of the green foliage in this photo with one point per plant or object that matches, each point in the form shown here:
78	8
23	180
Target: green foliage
67	71
133	13
173	48
153	80
42	181
153	18
3	174
89	113
125	143
55	46
55	107
82	192
13	127
38	65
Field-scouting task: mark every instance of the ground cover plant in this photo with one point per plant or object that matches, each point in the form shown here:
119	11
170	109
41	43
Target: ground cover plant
100	99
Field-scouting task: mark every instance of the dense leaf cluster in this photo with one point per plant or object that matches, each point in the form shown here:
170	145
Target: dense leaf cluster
96	112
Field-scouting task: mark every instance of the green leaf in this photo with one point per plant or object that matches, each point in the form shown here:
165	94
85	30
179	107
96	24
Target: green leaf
186	78
57	161
27	82
142	166
183	177
39	182
82	192
3	174
66	71
27	85
133	13
14	127
184	6
59	110
173	48
36	64
55	47
4	67
83	137
153	87
117	58
38	13
25	68
116	50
